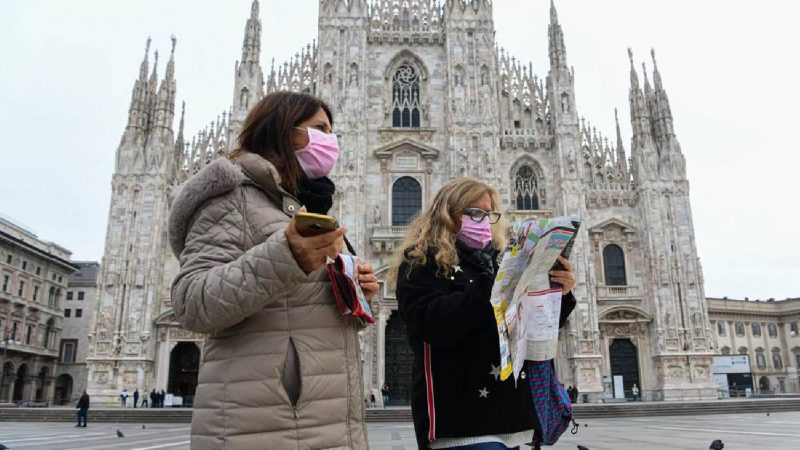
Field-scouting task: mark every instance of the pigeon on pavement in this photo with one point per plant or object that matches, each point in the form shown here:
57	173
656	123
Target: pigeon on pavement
119	433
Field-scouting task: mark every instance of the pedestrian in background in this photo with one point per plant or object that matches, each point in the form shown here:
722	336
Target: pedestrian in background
135	397
123	397
385	392
83	409
153	402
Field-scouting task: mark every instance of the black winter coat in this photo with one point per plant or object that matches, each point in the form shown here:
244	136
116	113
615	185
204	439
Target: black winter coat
83	402
456	390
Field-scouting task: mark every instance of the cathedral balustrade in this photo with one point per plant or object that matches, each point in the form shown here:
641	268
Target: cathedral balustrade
614	194
525	138
619	293
385	239
514	215
405	37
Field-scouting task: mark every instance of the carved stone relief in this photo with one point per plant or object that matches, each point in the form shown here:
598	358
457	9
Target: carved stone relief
101	378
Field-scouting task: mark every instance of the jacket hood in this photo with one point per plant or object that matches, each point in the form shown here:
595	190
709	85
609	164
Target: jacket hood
217	178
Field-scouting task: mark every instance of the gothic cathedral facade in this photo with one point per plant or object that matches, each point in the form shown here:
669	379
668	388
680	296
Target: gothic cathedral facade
421	94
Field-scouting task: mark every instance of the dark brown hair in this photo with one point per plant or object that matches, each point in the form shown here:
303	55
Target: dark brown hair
268	129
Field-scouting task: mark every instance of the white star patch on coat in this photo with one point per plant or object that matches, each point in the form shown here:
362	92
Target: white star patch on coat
457	269
495	372
483	393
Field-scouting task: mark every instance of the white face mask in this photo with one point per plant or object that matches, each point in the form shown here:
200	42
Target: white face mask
320	155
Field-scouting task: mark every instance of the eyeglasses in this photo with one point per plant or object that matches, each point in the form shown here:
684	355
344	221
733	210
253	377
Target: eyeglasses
477	215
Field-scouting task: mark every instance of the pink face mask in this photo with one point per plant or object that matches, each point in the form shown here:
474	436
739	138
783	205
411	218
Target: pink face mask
319	156
475	234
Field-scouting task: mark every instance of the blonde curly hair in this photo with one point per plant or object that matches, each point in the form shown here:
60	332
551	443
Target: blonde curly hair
436	227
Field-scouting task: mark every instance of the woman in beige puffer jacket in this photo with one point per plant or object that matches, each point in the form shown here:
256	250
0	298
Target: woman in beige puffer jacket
281	366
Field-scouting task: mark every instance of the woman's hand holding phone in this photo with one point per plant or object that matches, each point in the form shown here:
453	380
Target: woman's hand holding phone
312	252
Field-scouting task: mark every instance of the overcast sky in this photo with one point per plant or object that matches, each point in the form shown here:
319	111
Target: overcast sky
730	68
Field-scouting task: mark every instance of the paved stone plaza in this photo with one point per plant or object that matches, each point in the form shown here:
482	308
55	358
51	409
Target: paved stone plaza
737	431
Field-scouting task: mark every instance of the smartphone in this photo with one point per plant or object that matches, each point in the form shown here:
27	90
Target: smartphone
310	224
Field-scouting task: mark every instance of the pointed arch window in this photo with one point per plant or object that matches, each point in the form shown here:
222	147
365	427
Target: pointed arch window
614	265
405	97
526	188
406	200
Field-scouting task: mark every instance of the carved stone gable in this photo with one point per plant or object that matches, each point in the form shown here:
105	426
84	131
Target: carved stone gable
613	230
406	155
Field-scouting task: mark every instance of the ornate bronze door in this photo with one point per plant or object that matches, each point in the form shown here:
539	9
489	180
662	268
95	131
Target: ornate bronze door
399	361
625	362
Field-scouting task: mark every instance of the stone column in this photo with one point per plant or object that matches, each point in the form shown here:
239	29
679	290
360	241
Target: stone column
28	389
7	394
47	394
164	351
383	320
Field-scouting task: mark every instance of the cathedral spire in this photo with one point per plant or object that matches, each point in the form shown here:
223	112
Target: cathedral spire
251	45
137	111
144	66
171	63
152	93
648	90
640	117
165	106
622	163
154	74
662	113
656	74
248	75
634	75
179	139
620	147
558	50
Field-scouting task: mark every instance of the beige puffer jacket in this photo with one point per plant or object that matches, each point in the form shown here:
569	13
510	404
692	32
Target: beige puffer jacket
281	367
